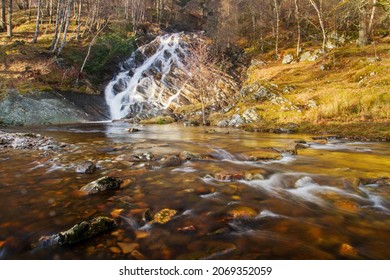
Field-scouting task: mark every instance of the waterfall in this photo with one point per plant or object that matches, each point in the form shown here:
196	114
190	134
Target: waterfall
151	79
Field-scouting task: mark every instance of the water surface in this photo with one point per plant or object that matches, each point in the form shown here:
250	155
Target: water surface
308	206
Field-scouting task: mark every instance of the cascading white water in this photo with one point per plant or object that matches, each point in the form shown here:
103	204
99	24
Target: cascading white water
144	82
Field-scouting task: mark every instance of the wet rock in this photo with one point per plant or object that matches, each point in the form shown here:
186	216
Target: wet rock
203	190
225	176
147	215
263	154
87	167
185	155
382	181
116	213
137	255
79	232
133	130
283	130
347	205
326	137
187	229
164	216
143	157
241	212
27	141
115	250
253	176
127	248
171	161
101	185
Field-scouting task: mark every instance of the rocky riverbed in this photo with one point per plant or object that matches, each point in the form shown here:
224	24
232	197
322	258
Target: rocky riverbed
104	191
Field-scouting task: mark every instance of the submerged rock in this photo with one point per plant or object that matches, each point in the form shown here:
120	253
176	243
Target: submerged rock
263	154
185	155
79	232
143	157
164	216
171	162
347	250
225	176
87	167
101	185
241	212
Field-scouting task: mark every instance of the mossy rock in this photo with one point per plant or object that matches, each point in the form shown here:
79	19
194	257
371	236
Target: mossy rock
164	216
101	185
262	154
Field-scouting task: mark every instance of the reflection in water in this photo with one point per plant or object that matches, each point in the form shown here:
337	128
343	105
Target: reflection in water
306	206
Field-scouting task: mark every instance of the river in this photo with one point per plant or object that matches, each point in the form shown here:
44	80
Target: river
306	206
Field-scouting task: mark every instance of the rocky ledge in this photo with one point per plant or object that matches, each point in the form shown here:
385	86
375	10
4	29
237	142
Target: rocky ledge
27	141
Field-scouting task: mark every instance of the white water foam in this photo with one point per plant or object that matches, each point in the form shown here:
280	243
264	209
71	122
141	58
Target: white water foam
135	86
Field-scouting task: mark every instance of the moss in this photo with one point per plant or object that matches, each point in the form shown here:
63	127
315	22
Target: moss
159	120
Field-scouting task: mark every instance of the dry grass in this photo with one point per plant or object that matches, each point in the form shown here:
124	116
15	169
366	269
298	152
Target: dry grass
353	92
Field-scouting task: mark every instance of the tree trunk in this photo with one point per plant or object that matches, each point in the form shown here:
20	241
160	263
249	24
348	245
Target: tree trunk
319	14
277	14
69	10
363	28
51	12
56	32
79	20
298	19
371	23
37	23
3	19
9	27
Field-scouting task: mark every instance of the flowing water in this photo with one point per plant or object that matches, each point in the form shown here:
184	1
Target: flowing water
306	206
145	81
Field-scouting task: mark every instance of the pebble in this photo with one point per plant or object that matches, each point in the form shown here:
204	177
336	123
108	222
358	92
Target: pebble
115	250
137	255
128	247
347	250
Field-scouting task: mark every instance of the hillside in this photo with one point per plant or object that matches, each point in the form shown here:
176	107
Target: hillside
344	91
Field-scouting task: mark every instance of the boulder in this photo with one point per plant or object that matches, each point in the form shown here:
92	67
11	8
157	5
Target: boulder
79	232
101	185
305	56
288	58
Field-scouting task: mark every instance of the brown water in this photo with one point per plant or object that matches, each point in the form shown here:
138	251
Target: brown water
307	206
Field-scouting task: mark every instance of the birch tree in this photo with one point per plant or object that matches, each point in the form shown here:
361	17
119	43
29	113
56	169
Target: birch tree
37	22
3	19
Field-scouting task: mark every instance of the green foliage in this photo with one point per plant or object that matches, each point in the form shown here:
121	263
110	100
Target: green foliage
108	49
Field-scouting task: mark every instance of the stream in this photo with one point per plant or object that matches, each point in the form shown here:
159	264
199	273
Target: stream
323	203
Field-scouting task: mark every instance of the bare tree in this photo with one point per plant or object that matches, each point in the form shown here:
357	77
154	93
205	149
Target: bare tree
9	27
37	22
298	19
68	14
3	19
318	9
204	73
277	26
